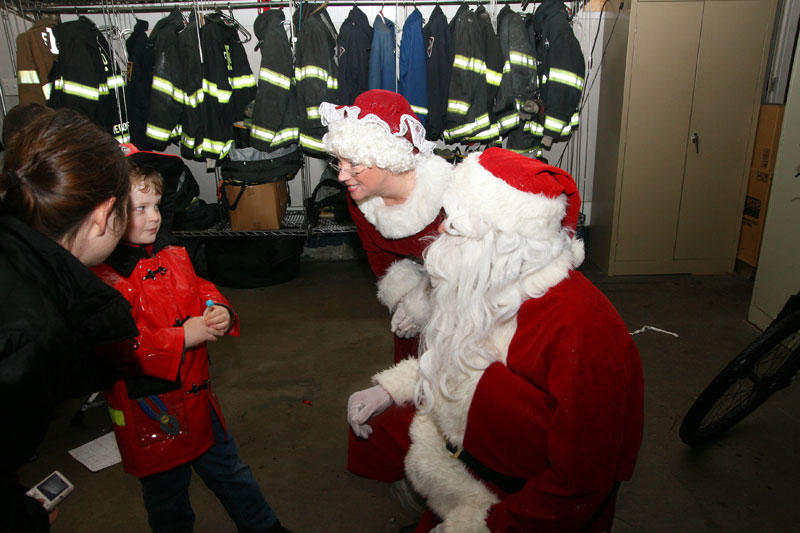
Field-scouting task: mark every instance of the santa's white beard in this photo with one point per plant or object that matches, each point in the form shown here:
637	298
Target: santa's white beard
476	285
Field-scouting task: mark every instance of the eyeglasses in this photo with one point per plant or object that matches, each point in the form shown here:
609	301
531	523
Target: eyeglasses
336	167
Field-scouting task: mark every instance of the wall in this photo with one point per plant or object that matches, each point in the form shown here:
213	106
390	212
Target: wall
577	156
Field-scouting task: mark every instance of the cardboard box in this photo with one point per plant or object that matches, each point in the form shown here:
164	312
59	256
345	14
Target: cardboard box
755	211
768	134
260	207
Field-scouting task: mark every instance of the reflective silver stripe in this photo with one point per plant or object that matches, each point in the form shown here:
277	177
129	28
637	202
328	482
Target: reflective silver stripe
157	133
521	59
419	110
288	134
553	124
575	119
506	67
216	147
240	82
124	138
279	80
333	83
312	112
311	142
311	72
509	121
261	133
76	89
458	107
566	77
115	81
162	85
28	76
493	77
535	128
490	133
47	89
223	95
469	63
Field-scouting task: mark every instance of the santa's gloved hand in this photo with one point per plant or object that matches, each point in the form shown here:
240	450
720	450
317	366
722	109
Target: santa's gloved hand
365	404
402	324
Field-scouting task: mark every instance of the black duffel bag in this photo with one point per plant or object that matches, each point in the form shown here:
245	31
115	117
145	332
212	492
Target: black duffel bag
247	262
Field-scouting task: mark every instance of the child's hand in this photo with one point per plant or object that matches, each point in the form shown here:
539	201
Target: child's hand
196	332
218	318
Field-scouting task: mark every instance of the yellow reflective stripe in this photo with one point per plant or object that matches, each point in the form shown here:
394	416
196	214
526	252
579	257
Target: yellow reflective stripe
76	89
535	128
458	107
575	119
288	134
479	124
333	83
47	89
311	72
506	67
419	110
261	133
28	76
117	417
553	124
566	77
240	82
469	63
223	95
275	78
162	85
311	142
157	133
312	112
216	147
509	121
521	59
489	133
115	81
123	138
566	131
493	77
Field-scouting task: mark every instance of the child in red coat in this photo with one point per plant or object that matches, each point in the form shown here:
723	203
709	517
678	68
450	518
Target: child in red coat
166	416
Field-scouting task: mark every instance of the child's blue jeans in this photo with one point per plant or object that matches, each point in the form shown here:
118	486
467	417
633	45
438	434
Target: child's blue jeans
166	494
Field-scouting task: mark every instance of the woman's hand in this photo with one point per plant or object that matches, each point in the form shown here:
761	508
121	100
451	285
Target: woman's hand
218	318
196	332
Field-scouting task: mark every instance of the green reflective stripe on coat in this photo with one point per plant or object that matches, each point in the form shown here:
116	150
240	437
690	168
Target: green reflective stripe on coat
307	141
223	95
521	59
553	124
28	76
493	77
261	133
566	77
76	89
117	417
286	135
275	78
154	132
311	72
240	82
508	122
472	64
419	110
312	113
47	88
458	107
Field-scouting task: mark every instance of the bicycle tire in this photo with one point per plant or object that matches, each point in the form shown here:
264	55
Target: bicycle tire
766	366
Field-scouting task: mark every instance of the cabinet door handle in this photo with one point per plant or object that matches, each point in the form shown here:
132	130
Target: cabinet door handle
696	141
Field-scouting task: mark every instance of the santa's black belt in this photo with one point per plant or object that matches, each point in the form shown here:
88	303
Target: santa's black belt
505	482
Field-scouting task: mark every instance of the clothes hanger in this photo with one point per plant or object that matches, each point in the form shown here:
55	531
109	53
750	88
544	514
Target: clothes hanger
320	7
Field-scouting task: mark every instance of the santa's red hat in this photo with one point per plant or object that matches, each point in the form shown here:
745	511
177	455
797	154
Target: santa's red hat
379	129
515	194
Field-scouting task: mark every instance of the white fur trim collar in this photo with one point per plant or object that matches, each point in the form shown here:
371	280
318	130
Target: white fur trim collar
432	176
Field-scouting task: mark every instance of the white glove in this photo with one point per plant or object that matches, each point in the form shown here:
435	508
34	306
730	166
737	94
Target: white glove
365	404
402	325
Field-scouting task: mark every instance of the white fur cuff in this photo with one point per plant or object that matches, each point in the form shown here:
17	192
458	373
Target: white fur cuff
399	380
417	302
400	278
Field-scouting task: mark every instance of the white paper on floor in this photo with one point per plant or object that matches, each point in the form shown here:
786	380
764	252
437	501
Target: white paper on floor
652	328
99	453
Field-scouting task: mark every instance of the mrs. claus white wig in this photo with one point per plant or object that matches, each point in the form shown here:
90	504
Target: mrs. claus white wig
378	130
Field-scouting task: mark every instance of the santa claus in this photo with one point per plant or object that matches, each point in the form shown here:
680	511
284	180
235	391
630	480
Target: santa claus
529	391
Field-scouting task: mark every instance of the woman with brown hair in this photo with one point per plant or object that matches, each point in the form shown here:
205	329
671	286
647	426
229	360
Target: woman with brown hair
63	197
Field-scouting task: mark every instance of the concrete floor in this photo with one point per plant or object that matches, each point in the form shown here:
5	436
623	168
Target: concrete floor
307	344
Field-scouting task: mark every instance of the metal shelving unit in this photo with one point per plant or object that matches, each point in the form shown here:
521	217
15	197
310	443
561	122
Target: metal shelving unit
294	223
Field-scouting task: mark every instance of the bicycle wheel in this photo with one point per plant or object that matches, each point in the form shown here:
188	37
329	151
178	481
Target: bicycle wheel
767	365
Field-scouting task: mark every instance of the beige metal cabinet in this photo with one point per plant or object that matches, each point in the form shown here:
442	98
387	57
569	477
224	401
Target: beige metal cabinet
680	92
